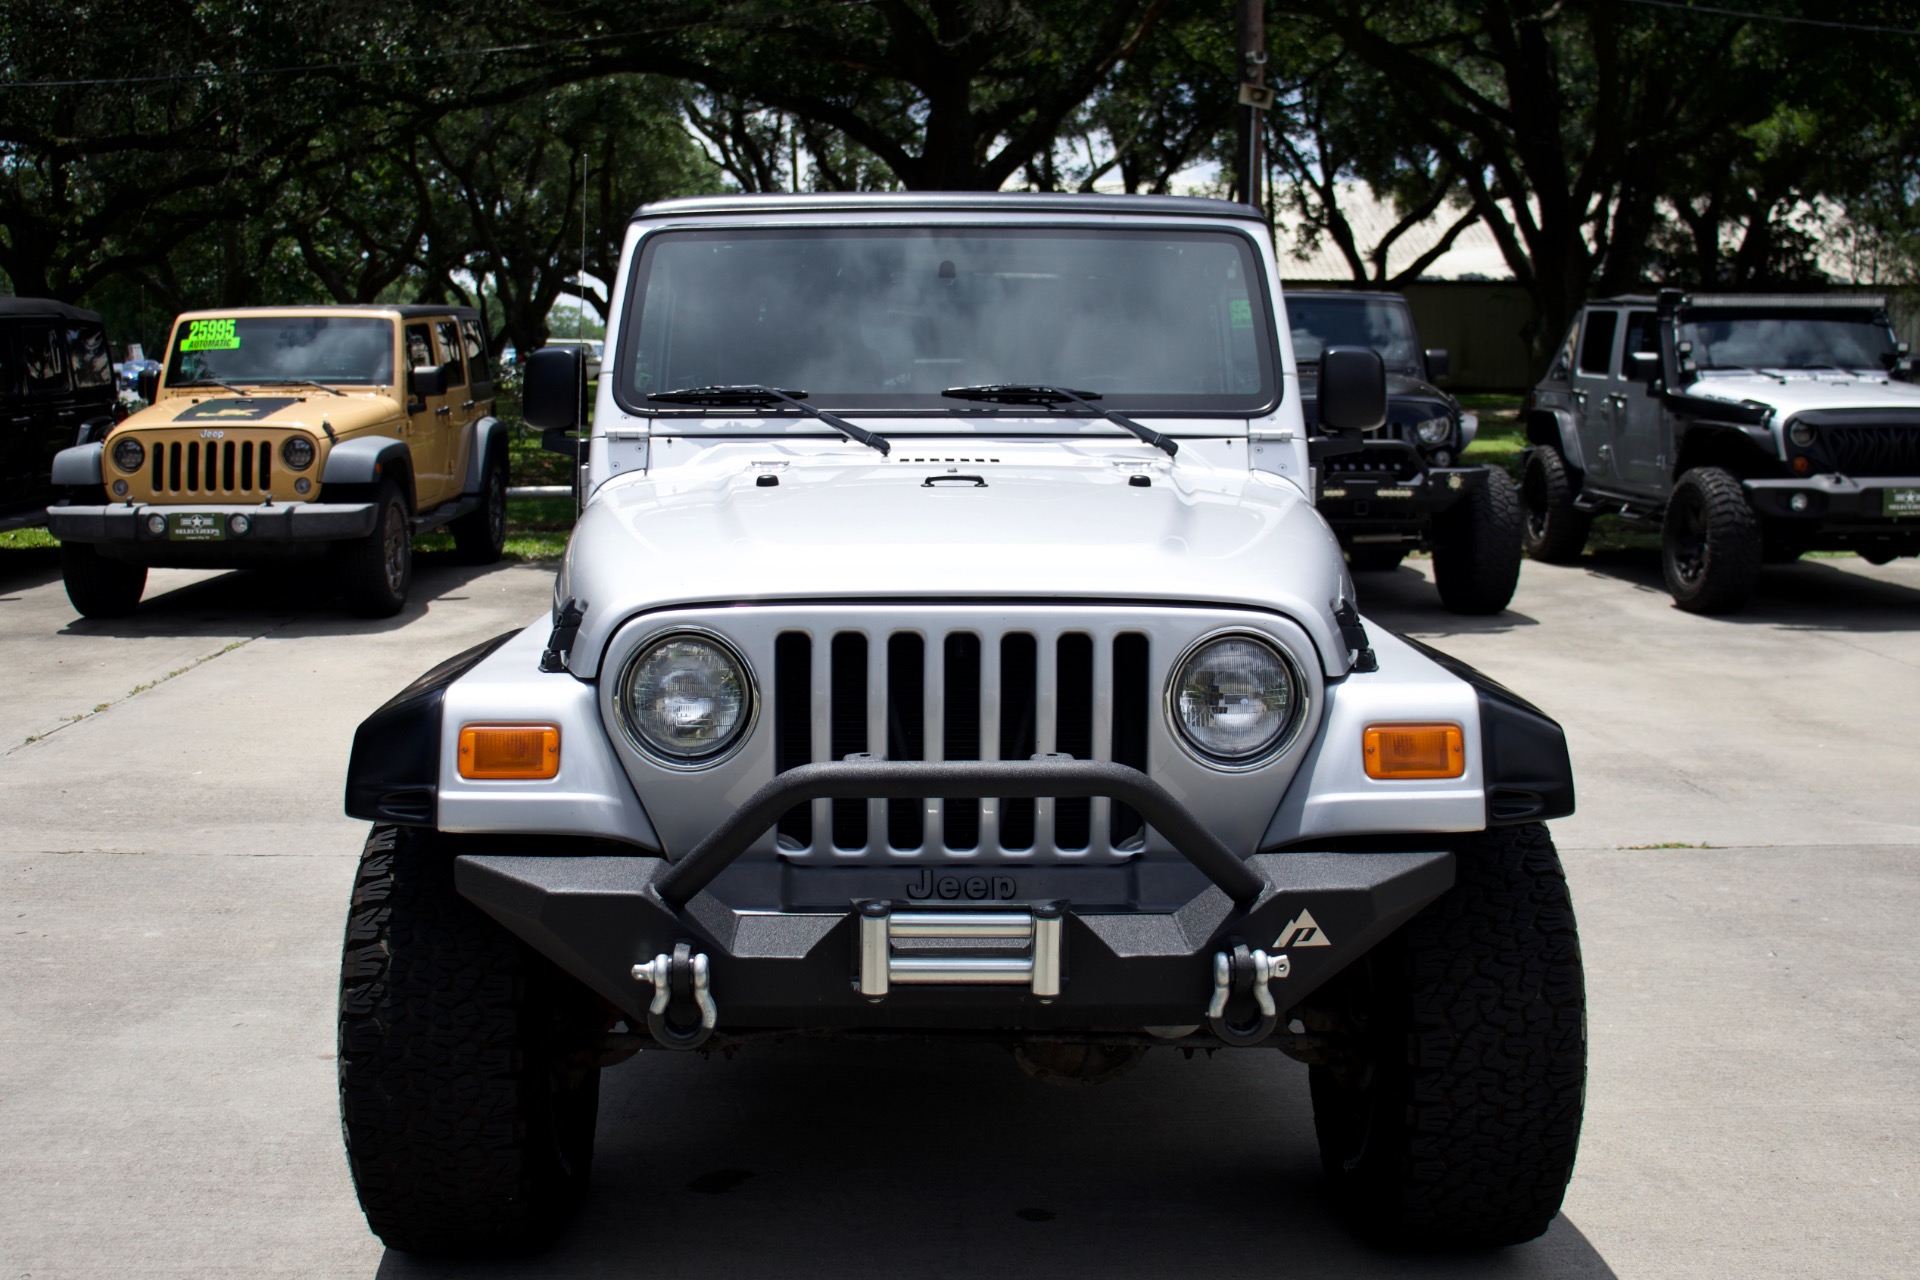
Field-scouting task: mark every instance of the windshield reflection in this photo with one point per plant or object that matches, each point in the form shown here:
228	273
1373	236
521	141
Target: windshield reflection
256	349
889	318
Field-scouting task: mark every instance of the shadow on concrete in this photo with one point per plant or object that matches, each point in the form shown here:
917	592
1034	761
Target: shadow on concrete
1809	594
815	1159
25	567
291	598
1404	599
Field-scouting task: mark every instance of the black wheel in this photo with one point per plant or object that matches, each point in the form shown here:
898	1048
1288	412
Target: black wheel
1872	555
1554	530
100	587
1375	557
1710	543
479	537
468	1085
1452	1118
1476	547
376	571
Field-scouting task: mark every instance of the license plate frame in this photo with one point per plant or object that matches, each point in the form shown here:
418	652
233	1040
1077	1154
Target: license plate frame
195	526
1896	503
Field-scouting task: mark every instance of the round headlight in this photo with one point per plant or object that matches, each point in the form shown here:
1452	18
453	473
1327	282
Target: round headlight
297	452
128	453
686	697
1801	433
1234	699
1435	430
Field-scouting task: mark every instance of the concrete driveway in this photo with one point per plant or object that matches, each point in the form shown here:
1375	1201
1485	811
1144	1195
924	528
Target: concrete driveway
174	870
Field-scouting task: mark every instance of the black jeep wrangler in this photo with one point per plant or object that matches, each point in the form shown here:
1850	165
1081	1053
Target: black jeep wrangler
1753	428
1400	490
56	390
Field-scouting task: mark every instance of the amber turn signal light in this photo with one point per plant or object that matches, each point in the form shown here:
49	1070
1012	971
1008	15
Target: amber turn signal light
1415	751
489	752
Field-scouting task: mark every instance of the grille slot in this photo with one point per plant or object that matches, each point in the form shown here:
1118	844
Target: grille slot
959	696
241	469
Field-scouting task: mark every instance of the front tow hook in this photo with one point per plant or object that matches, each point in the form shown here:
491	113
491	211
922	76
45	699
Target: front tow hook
683	1014
1235	975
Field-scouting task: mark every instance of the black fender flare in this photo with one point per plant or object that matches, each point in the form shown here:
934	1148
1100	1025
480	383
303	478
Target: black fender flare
393	774
1563	434
488	434
1523	750
366	460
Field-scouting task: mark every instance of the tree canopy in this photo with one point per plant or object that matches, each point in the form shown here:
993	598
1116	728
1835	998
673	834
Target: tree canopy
161	154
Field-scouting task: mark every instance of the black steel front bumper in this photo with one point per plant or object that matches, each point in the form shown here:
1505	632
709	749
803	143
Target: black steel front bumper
1363	500
603	919
599	917
1842	499
126	524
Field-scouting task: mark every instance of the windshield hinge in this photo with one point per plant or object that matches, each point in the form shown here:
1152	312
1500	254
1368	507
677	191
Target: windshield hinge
565	628
1353	634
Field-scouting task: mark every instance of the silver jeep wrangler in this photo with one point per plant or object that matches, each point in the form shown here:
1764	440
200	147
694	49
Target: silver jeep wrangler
950	645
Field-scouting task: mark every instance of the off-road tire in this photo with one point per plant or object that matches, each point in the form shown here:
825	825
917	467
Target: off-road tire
1553	530
1476	547
1710	544
98	586
1454	1117
468	1092
376	571
1373	557
480	536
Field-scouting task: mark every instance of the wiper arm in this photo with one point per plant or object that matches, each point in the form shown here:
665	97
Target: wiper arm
304	382
1032	393
753	393
213	382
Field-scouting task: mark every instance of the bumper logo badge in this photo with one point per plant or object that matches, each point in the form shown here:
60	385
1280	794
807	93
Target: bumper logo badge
1301	931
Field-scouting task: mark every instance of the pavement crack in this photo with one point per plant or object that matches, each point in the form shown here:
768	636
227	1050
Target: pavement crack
102	708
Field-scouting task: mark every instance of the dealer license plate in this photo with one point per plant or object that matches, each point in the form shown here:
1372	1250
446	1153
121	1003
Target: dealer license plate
1900	502
195	526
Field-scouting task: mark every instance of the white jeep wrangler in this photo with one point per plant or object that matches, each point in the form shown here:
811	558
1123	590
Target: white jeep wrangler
950	645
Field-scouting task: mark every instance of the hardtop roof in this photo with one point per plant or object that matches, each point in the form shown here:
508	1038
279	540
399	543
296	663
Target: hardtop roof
405	310
896	202
17	307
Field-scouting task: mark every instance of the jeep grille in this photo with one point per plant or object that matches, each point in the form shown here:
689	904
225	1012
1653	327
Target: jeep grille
1004	696
203	468
1890	450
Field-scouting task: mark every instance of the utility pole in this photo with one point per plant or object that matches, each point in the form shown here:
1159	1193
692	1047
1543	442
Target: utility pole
1255	98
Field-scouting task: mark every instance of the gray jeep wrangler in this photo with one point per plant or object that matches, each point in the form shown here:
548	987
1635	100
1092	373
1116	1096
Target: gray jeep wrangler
949	647
1752	428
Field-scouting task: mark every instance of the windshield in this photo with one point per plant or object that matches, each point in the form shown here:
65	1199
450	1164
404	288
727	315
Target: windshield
259	349
1776	340
887	318
1321	322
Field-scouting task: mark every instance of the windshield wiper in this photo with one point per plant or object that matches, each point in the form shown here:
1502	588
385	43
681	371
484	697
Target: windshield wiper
302	382
1029	393
754	394
213	382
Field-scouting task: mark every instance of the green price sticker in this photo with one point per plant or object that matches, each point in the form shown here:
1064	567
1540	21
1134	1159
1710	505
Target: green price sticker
210	335
1240	313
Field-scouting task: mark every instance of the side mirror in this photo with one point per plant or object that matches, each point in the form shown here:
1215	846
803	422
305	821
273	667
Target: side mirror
1353	389
146	384
554	395
1643	366
1439	364
427	380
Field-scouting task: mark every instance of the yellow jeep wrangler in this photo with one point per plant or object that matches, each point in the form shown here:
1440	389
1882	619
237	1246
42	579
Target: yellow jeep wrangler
292	434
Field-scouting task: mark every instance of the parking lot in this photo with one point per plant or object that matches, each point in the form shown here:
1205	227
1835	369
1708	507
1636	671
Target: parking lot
175	868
